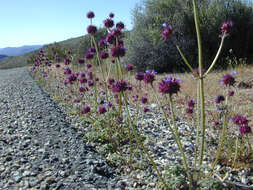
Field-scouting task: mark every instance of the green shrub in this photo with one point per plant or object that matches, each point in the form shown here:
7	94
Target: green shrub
147	50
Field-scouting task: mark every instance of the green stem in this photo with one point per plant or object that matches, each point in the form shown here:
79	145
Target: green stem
216	57
143	148
236	152
185	60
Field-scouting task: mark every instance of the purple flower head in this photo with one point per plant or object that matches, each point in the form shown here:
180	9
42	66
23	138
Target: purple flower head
189	111
72	78
228	80
67	71
120	25
67	61
101	43
129	67
149	76
101	109
108	23
120	86
81	60
92	50
69	52
90	14
169	86
166	34
86	110
111	81
139	76
90	74
240	120
144	100
110	38
216	123
77	101
83	80
104	55
231	93
219	99
226	28
116	32
57	65
191	103
118	51
92	29
89	55
88	66
90	83
111	15
146	109
58	59
82	89
82	74
244	129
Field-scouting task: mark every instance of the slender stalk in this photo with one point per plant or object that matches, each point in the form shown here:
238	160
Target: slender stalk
216	57
185	60
179	141
143	147
222	138
236	152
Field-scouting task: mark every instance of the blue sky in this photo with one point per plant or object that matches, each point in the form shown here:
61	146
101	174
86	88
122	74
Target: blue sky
30	22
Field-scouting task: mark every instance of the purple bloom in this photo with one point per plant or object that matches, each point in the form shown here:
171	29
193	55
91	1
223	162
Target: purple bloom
92	29
244	129
120	86
146	109
120	25
90	83
58	59
86	110
101	110
67	61
92	50
101	43
90	74
167	32
57	65
67	71
149	76
129	67
219	99
226	28
108	23
83	80
228	80
110	38
89	55
144	100
240	120
82	89
118	51
116	32
72	78
111	15
104	55
191	103
111	81
169	86
189	110
81	60
231	93
90	14
88	66
139	76
77	101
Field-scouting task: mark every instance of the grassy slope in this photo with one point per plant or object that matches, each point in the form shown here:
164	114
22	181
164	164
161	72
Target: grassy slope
20	61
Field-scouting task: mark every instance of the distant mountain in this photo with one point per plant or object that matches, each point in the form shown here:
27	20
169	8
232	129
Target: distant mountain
3	56
16	51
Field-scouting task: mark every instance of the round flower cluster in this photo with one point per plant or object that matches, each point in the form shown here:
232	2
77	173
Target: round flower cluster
120	86
228	80
167	31
219	99
149	76
190	106
242	122
226	27
169	86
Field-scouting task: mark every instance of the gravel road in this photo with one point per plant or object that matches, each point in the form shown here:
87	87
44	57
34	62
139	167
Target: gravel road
39	149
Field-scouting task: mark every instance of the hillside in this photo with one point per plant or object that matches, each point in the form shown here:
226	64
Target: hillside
21	60
3	56
16	51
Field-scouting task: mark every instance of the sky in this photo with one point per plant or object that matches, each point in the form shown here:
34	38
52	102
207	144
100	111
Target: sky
38	22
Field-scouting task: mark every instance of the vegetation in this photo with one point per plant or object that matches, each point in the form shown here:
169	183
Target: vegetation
146	49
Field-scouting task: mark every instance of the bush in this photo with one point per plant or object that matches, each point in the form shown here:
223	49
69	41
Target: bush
147	50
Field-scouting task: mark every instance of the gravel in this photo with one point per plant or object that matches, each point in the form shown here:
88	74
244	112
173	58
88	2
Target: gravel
41	147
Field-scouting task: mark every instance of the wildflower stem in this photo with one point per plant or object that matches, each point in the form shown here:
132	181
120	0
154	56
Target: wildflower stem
185	60
236	152
179	141
143	147
222	138
216	57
